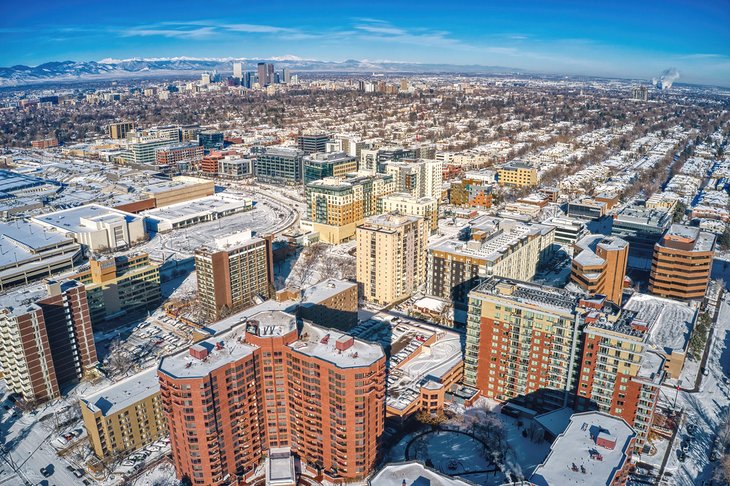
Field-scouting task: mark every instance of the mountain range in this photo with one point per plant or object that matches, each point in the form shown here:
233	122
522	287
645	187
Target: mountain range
124	68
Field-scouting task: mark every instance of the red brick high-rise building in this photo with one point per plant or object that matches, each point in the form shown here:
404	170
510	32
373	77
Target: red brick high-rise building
46	341
269	384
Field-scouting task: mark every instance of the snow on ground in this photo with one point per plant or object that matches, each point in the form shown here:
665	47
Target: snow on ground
707	409
450	452
161	475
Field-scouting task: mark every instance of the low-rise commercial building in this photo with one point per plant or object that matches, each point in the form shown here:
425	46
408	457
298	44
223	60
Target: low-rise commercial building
189	213
31	252
595	448
98	228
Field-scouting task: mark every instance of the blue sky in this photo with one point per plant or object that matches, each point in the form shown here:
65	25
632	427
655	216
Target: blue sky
613	38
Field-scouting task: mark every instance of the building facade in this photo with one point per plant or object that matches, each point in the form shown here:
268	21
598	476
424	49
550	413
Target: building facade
499	247
119	285
265	385
320	165
425	207
336	206
125	416
517	174
279	165
234	273
599	266
311	143
47	340
680	268
523	343
391	257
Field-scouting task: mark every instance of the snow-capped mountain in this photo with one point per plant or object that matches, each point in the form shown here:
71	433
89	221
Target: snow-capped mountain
118	68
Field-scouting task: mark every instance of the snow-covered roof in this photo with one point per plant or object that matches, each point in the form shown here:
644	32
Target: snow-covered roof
670	322
321	343
124	393
576	447
413	474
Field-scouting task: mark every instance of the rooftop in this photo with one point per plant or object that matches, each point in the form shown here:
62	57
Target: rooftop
124	393
21	240
502	235
688	235
320	343
222	349
75	219
670	322
325	289
413	474
542	296
389	220
577	448
220	203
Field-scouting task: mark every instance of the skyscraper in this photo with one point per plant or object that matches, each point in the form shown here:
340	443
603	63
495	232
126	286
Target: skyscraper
269	74
238	70
286	75
261	71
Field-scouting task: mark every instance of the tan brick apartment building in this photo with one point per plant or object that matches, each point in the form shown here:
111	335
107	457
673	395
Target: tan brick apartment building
599	265
391	256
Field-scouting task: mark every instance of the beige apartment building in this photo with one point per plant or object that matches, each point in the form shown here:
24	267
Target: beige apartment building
500	247
335	207
125	416
391	257
425	207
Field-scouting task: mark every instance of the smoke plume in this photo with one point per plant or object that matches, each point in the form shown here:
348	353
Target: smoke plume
667	78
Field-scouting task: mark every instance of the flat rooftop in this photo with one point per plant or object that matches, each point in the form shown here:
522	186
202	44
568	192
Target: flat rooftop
223	349
550	298
413	474
576	447
701	240
21	240
319	343
670	322
198	208
502	237
70	219
124	393
325	289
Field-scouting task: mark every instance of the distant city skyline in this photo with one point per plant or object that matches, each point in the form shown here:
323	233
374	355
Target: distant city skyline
627	39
